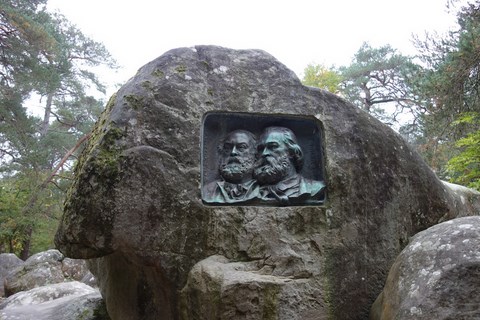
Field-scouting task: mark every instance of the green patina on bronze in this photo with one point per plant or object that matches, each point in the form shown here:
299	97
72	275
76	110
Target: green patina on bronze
261	164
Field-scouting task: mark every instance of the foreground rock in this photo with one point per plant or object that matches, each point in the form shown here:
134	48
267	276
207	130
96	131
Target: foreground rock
44	268
61	301
8	262
220	289
437	276
135	204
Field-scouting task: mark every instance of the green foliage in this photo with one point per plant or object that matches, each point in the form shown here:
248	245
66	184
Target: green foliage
436	102
379	81
12	223
322	77
15	195
464	168
24	41
43	54
450	87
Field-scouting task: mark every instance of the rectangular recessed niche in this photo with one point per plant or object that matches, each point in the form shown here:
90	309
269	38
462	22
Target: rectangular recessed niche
262	160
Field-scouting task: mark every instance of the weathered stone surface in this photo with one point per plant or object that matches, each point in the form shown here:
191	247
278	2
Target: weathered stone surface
437	276
135	204
89	279
8	262
61	301
465	199
44	268
219	289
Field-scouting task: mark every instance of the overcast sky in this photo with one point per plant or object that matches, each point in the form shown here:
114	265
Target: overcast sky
295	32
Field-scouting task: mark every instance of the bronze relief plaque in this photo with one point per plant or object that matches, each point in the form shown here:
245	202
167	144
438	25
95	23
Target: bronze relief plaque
262	160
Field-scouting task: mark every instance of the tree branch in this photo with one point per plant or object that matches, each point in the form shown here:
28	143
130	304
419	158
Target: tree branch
44	184
65	158
61	121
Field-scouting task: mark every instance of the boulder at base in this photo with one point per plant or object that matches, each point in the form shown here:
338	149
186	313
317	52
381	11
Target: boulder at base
61	301
8	262
437	276
44	268
136	207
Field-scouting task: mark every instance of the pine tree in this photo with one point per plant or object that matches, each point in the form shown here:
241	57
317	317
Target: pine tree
41	53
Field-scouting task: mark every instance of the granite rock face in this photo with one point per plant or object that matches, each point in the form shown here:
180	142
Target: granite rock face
159	253
437	276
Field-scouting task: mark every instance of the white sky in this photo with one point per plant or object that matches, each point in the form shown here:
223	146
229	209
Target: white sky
295	32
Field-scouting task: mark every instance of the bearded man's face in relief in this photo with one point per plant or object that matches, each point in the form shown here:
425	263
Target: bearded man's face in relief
237	158
274	161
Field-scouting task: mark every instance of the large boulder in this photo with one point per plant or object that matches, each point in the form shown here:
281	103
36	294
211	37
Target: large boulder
60	301
135	205
44	268
8	262
437	276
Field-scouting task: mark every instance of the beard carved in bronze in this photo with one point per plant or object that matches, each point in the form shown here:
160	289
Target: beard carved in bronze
263	171
280	159
237	159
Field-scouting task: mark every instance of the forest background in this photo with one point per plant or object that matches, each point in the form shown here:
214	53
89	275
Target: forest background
431	98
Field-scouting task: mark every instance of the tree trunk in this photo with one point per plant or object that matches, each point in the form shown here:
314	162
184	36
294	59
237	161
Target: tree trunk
25	253
31	203
367	105
46	117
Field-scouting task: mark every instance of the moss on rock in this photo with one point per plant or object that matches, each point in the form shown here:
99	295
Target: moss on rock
134	101
91	197
270	302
